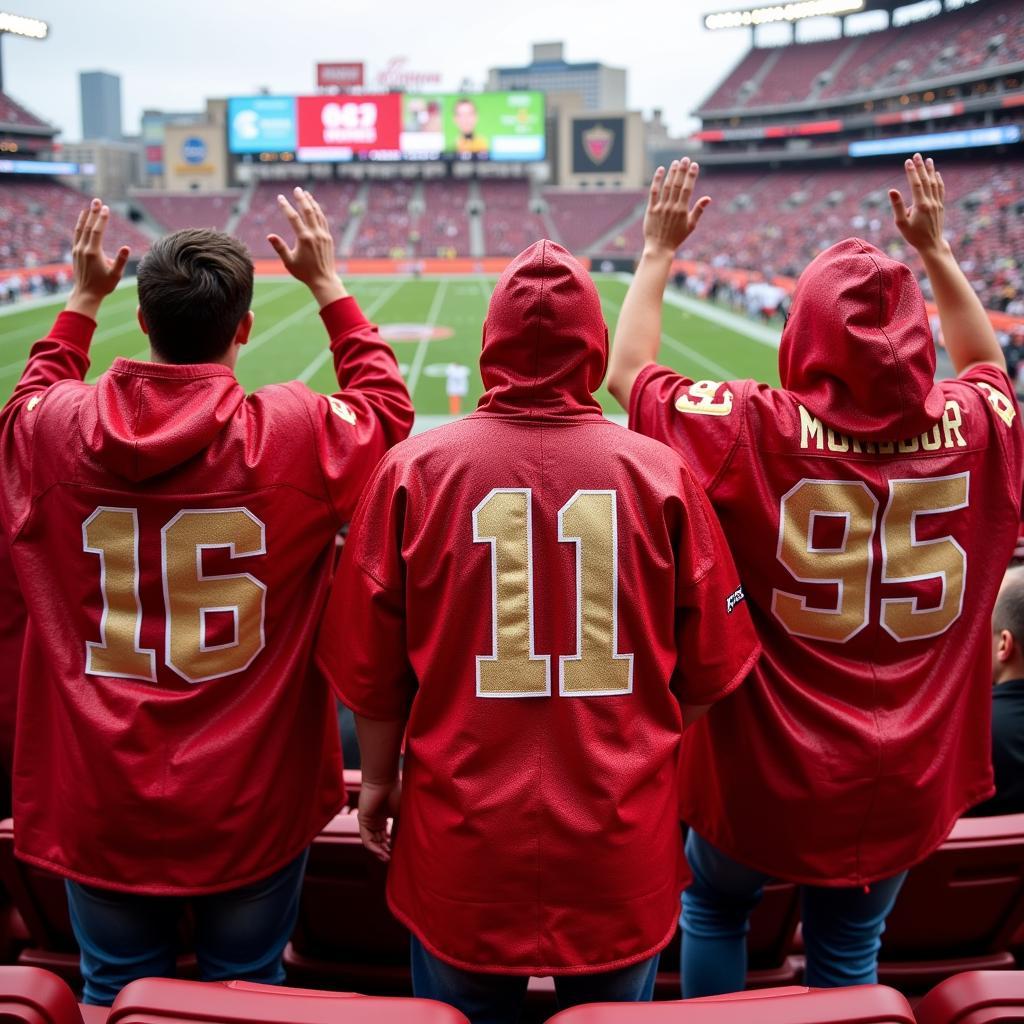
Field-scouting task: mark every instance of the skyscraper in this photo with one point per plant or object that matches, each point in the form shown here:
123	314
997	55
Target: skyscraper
101	105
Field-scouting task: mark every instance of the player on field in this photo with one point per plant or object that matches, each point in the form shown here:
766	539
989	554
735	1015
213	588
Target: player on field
534	596
174	539
872	510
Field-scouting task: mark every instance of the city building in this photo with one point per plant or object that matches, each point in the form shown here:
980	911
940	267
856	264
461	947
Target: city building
101	105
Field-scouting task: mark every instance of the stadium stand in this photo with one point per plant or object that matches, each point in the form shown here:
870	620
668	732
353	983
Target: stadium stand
239	1002
35	222
30	995
863	1004
583	218
196	210
978	37
975	997
12	113
509	225
388	228
444	226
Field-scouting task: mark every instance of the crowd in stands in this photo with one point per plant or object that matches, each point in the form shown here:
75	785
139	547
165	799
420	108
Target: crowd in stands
583	218
509	224
194	210
388	228
13	113
976	38
444	226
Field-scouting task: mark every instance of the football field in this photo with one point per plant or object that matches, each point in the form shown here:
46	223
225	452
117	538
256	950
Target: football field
430	321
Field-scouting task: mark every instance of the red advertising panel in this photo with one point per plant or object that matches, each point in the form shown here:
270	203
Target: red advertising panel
340	76
333	127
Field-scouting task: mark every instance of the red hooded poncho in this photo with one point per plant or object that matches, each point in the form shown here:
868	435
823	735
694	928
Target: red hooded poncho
873	512
538	832
175	541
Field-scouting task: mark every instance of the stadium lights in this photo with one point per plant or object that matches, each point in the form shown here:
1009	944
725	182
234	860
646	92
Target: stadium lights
16	25
781	12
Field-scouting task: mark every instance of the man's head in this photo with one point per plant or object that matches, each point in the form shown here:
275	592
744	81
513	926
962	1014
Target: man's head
1008	629
465	116
195	287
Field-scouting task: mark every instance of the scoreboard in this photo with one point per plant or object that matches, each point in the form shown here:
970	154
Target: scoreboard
391	126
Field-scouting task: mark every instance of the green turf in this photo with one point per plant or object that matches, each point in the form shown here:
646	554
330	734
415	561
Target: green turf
288	341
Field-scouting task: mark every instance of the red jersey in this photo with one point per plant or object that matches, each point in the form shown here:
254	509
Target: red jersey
873	512
12	636
175	541
538	590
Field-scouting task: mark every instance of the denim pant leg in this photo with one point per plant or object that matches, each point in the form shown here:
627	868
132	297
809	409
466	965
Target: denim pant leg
633	984
123	937
241	934
483	998
715	920
843	931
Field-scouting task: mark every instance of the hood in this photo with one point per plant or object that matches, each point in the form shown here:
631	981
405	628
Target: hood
857	348
545	344
149	418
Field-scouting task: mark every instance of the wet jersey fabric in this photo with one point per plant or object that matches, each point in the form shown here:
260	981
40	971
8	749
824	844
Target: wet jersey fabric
538	590
872	512
174	538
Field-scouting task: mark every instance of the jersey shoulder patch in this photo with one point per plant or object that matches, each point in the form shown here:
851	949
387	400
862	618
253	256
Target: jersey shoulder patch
1005	408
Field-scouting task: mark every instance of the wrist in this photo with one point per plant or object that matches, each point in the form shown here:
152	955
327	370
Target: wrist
378	782
84	303
327	290
657	252
937	250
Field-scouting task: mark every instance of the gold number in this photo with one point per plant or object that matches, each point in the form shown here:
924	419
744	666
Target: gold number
590	521
189	594
848	566
113	534
504	520
701	398
905	558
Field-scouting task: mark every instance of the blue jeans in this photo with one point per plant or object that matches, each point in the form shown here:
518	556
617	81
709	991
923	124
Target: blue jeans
498	998
240	934
842	928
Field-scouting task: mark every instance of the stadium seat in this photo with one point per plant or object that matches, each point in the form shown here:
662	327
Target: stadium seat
169	1001
864	1004
975	997
344	884
959	910
772	926
31	995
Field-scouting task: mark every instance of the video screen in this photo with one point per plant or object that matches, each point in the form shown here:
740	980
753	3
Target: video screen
421	126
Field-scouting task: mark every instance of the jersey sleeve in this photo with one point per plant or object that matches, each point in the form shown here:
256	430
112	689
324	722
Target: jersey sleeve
1001	401
370	412
701	420
62	355
715	639
362	644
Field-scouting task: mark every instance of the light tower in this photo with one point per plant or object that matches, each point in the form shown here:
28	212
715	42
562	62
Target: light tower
16	25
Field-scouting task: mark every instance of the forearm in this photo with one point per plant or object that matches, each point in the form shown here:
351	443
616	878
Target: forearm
638	333
380	748
966	328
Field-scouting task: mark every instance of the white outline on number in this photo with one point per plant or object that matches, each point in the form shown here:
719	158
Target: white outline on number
92	645
578	656
802	598
200	576
203	612
492	541
915	543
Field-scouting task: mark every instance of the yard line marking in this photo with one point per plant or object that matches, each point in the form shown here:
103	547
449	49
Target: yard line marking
710	364
310	371
484	287
421	347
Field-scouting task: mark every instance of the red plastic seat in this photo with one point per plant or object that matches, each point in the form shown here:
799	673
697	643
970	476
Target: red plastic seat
167	1001
864	1004
959	910
975	997
345	884
30	995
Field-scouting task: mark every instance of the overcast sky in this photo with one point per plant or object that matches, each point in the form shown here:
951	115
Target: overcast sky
173	54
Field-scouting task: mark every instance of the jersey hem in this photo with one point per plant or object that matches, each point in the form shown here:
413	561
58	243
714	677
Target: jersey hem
799	878
534	971
172	890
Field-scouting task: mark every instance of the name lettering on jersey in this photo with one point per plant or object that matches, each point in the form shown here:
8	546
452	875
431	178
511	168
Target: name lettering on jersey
944	434
1005	409
734	599
341	409
33	402
702	399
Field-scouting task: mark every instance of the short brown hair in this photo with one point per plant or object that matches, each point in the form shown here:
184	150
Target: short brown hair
194	288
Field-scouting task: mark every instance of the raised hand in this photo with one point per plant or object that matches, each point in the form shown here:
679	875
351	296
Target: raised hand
670	219
95	274
311	260
921	224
